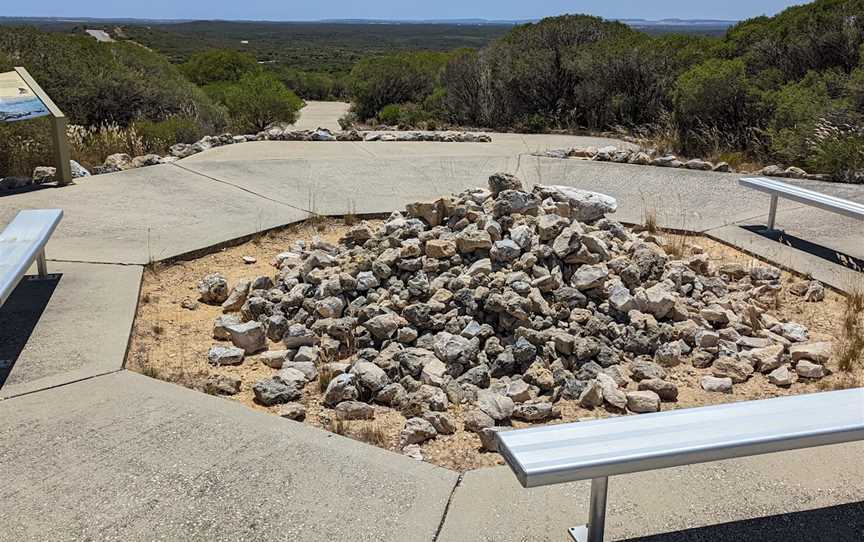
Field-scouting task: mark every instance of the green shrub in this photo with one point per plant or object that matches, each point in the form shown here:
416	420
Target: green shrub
838	150
390	114
103	83
24	146
163	134
255	101
376	82
218	65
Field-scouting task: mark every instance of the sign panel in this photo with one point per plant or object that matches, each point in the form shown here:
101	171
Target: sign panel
17	99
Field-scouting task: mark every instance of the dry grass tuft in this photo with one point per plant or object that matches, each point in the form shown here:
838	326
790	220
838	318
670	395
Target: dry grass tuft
849	349
372	433
650	222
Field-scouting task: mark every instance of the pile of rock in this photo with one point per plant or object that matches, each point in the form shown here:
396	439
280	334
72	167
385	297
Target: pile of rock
41	175
506	301
645	157
287	133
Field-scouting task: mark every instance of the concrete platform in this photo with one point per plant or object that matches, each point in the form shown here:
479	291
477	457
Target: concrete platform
762	494
74	326
125	457
98	453
149	214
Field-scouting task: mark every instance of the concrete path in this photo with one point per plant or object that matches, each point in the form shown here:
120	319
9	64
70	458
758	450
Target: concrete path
90	451
321	115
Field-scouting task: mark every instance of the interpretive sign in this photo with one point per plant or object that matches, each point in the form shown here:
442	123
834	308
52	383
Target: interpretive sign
17	99
21	98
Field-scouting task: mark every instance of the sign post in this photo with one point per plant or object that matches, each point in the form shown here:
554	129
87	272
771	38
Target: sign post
21	98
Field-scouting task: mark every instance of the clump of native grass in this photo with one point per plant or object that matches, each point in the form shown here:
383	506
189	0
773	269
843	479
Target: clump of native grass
849	349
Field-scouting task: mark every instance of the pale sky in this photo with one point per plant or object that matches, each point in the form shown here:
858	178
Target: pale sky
304	10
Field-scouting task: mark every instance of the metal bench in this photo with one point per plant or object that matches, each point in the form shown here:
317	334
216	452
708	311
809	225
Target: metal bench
22	242
777	189
599	449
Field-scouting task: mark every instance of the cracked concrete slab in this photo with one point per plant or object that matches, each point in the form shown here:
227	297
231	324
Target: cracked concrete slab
75	325
490	505
125	457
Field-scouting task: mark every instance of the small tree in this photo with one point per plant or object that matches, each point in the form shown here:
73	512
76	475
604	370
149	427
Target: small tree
257	100
218	65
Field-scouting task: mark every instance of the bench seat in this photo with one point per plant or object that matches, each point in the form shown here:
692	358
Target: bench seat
778	189
554	454
21	243
598	449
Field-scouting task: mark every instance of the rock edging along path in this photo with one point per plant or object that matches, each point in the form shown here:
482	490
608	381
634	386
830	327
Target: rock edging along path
125	456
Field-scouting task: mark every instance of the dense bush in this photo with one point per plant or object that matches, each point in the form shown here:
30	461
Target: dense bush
218	65
759	93
101	83
256	100
311	85
376	82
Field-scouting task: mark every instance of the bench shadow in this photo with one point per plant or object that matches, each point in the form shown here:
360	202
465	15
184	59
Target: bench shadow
28	188
19	316
828	254
840	523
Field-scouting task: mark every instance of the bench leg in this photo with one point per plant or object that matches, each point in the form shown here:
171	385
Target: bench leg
593	532
42	265
772	214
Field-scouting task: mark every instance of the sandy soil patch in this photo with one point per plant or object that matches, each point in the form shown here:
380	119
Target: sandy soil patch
170	342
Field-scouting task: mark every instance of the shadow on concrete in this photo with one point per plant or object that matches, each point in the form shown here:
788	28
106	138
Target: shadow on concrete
840	523
828	254
19	316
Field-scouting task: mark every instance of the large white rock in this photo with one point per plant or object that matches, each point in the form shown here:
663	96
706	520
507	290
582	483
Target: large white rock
585	206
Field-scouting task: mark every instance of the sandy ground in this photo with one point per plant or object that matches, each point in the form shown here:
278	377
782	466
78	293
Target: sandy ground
170	342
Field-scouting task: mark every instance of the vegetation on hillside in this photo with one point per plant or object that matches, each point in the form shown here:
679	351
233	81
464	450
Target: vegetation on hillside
788	88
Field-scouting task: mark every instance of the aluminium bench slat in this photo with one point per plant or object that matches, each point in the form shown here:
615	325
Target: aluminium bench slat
578	451
803	195
20	244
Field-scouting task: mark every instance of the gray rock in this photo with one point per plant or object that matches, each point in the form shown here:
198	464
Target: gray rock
766	359
588	277
222	355
592	396
292	411
643	401
275	359
222	385
782	377
308	368
249	336
718	385
585	206
370	376
646	370
496	406
416	431
807	369
499	182
354	410
341	388
384	326
817	352
667	391
299	335
291	377
213	289
611	394
272	391
535	412
442	422
477	420
736	369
